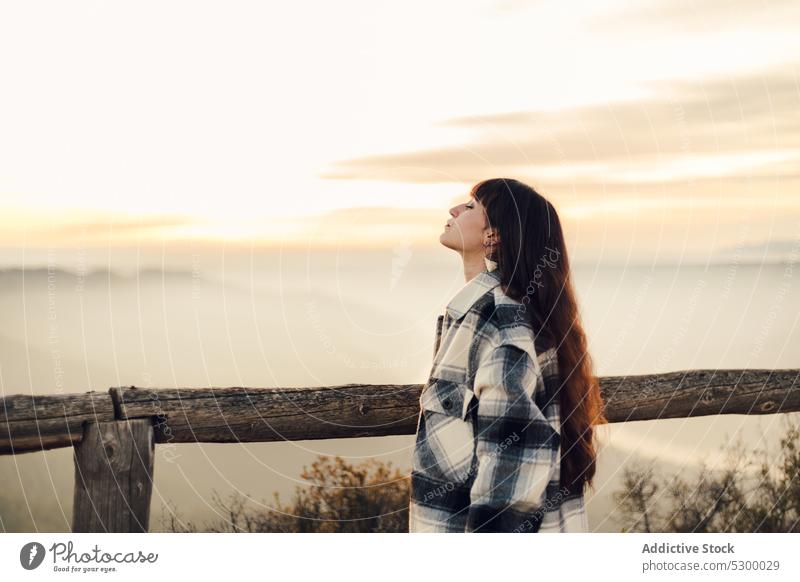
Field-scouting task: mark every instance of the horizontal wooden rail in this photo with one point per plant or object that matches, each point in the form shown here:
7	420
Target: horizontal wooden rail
34	423
224	415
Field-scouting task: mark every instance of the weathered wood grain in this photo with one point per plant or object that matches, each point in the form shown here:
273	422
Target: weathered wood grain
688	393
114	477
239	414
33	423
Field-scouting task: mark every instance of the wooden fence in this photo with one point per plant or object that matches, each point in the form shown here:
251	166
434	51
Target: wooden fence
114	433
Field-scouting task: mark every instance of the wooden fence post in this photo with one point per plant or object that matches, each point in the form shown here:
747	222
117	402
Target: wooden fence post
114	477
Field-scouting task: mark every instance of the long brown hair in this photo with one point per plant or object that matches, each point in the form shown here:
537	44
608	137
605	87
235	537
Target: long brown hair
534	268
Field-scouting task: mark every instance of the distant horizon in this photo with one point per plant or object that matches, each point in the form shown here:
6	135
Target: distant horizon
126	258
4	268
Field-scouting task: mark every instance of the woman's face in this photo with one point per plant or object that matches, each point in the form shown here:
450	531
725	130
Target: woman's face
466	230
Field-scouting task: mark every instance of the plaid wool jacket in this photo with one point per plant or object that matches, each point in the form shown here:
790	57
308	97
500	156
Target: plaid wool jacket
487	450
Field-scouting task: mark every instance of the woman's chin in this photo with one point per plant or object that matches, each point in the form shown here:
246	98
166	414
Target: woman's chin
445	241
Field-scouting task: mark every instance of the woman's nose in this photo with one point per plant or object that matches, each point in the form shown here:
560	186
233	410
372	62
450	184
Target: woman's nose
453	212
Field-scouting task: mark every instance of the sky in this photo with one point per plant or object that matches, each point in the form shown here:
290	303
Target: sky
670	130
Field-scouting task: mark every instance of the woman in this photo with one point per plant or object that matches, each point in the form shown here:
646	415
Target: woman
505	438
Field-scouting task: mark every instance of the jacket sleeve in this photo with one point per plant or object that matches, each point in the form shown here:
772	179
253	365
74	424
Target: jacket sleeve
516	447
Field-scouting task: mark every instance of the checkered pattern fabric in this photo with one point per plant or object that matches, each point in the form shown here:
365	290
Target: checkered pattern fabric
487	452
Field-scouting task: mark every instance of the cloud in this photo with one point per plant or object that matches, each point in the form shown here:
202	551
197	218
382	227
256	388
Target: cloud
707	17
380	215
775	250
56	227
116	226
370	225
743	127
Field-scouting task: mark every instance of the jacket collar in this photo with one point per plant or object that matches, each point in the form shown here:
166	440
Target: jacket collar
473	290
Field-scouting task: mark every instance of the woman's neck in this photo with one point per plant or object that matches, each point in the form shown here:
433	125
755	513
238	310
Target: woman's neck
473	264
